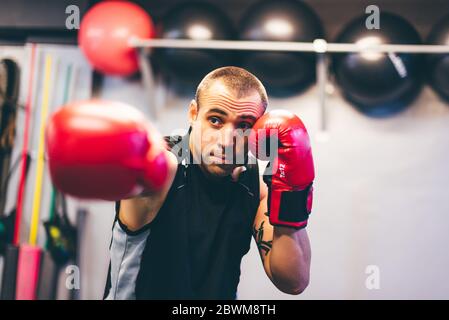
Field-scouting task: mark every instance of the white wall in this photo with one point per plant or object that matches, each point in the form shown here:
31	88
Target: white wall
381	191
380	198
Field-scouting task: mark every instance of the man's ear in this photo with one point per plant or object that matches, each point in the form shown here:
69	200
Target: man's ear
193	111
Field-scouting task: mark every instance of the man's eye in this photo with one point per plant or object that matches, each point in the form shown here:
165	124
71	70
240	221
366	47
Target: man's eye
244	125
215	121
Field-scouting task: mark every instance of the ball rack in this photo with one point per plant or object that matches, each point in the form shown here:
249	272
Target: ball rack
319	46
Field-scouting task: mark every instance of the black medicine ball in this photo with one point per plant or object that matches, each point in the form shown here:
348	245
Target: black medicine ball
283	73
438	64
198	21
379	84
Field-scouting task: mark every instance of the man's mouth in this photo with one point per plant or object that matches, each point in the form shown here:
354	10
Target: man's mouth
220	158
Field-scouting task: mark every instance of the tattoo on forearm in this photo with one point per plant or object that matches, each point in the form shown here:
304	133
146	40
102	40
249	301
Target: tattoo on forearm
261	244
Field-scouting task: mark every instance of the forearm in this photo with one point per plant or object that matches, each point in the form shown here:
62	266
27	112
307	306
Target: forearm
134	212
289	180
141	209
289	259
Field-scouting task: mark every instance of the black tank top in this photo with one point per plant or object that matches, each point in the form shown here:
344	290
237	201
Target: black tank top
199	236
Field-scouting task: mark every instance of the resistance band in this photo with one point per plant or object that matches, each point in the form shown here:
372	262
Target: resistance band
30	255
12	251
61	236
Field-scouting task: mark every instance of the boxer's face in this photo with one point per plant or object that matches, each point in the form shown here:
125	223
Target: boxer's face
220	128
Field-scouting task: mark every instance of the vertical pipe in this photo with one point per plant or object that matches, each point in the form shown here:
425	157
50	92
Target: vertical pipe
321	71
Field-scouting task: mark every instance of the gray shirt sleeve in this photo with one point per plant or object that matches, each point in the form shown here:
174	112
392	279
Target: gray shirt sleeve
126	252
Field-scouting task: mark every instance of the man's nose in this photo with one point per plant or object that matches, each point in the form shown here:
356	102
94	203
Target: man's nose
227	138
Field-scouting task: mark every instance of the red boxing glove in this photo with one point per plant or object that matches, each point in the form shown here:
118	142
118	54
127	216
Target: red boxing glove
104	150
291	172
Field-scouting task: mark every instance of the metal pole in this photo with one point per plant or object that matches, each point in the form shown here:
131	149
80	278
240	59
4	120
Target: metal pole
148	81
287	46
321	72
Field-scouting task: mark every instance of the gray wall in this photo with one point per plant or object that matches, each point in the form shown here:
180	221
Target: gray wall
381	197
381	185
381	191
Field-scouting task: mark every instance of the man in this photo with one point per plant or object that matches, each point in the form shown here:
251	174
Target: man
185	234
